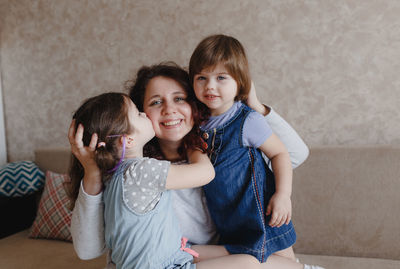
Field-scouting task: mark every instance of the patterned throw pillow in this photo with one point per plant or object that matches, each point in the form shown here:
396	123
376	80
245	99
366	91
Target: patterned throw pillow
53	217
18	179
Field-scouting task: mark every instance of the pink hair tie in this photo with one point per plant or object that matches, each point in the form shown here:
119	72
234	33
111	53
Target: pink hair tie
101	144
188	250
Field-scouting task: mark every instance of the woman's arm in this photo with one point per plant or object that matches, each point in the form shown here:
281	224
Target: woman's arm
298	150
87	224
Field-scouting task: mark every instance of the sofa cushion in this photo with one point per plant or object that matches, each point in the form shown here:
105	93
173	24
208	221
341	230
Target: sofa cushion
53	216
18	179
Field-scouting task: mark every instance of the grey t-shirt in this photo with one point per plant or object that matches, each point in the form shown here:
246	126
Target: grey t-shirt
144	182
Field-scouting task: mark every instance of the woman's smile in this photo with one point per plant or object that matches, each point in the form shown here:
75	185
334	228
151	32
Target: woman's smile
171	123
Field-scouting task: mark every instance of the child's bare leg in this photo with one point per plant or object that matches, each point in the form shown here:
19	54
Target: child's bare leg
235	261
279	262
213	256
286	253
207	252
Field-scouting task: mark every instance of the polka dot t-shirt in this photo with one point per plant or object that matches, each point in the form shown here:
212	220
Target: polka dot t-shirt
144	183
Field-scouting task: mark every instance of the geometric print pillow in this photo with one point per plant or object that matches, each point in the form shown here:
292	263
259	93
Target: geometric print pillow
53	217
20	178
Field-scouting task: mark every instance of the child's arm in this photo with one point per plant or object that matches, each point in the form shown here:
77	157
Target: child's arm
280	203
197	173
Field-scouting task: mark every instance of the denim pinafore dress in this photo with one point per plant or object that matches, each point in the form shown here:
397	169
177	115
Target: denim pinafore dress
239	194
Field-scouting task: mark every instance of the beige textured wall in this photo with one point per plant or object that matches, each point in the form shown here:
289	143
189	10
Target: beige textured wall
330	67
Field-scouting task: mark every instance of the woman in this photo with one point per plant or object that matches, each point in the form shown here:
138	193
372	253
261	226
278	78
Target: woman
163	92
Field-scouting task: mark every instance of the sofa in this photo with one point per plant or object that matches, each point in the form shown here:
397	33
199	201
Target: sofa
345	211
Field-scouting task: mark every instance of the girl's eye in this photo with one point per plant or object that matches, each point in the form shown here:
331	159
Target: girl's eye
221	77
200	78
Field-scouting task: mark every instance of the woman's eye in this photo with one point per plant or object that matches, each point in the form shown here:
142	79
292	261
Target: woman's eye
155	102
180	99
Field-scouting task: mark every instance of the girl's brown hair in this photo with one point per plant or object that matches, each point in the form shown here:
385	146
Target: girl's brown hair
105	115
228	51
200	113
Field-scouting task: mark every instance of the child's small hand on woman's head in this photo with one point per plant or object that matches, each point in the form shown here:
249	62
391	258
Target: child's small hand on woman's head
280	209
85	154
92	183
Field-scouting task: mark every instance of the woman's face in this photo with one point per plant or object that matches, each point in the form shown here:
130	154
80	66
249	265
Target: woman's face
166	106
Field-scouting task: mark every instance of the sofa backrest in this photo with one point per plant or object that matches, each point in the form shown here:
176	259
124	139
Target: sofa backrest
346	202
345	199
53	159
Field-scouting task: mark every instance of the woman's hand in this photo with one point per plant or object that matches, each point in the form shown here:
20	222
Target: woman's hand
253	102
92	183
280	205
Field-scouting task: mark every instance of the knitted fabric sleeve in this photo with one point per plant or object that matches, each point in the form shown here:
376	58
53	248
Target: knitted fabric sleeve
296	147
87	226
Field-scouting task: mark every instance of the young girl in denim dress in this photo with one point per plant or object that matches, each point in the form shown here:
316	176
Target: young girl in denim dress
140	225
250	204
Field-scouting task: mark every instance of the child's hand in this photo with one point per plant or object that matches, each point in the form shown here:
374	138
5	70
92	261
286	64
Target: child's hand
85	155
92	183
281	207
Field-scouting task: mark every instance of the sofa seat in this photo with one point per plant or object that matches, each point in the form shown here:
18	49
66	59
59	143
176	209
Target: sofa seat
340	262
18	251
